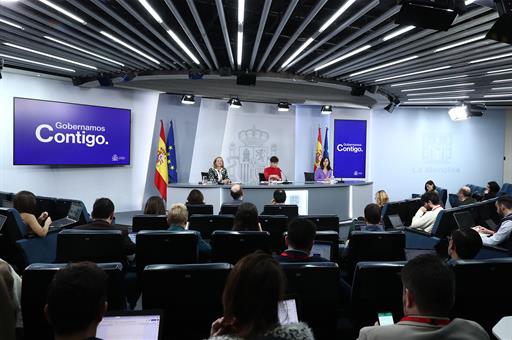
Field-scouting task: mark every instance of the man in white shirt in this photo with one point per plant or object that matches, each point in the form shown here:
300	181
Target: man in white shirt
502	236
425	217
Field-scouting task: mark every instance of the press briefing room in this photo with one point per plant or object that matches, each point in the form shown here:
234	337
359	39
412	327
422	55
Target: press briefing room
255	170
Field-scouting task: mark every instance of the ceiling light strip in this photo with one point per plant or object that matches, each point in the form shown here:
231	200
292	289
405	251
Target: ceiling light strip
500	71
50	56
151	11
438	87
63	11
460	43
343	57
240	35
502	81
498	95
183	46
296	53
429	80
398	32
501	88
36	62
120	42
10	23
83	50
440	92
399	61
336	15
414	73
438	98
429	102
501	56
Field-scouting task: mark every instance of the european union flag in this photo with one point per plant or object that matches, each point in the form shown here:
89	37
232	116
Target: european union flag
171	156
326	143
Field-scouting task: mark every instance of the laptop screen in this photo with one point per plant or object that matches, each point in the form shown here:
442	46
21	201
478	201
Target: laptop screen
395	220
129	327
2	221
288	312
322	249
464	219
74	211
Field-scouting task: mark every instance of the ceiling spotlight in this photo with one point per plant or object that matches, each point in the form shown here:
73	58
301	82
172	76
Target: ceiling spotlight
188	99
326	109
235	103
394	102
283	106
458	113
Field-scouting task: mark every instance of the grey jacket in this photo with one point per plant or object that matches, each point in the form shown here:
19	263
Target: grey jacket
293	331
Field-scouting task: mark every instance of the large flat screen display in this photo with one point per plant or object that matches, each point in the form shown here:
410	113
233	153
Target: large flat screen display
350	148
55	133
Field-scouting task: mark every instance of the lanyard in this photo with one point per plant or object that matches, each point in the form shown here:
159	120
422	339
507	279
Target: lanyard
430	321
295	256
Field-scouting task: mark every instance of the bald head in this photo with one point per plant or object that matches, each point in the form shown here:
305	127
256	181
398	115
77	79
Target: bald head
236	192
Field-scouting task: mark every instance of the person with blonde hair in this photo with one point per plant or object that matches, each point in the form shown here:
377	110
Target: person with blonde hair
218	173
381	198
177	218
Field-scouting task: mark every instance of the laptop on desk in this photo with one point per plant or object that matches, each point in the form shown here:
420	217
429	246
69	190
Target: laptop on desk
2	221
396	221
75	210
464	219
134	325
322	249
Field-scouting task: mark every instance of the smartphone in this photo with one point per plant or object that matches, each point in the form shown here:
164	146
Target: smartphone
385	319
287	312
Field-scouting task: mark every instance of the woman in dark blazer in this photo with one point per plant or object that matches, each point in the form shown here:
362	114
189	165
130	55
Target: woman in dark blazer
218	173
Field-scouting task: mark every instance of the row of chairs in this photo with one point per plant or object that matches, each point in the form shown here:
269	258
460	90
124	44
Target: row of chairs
191	294
289	210
405	209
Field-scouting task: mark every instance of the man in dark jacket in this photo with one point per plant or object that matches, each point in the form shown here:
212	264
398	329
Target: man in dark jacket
299	240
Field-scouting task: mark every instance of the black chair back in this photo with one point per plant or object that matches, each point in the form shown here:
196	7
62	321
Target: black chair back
90	245
190	295
374	246
149	222
325	222
289	210
199	209
489	305
276	226
229	209
207	224
309	176
36	280
334	238
376	288
316	286
231	246
165	247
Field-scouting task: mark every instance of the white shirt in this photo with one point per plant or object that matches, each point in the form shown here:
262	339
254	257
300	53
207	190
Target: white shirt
425	220
219	174
500	236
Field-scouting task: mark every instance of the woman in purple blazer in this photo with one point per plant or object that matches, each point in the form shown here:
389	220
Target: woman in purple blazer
324	172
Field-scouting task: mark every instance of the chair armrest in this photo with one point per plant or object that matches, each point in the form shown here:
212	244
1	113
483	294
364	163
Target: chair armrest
418	239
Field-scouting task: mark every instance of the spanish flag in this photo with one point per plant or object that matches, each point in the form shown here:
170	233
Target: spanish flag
161	172
319	150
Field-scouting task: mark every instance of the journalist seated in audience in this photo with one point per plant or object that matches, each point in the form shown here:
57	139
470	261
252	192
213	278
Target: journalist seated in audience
13	285
501	237
430	186
7	313
177	218
237	195
381	198
76	301
464	244
372	218
299	242
103	219
464	196
155	205
491	190
26	204
279	197
425	217
428	296
195	197
246	218
251	296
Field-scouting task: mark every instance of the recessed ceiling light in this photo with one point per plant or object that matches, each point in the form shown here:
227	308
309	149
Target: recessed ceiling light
439	98
36	62
119	41
283	106
440	92
63	11
501	56
398	32
336	15
414	73
326	109
498	95
83	50
296	53
50	56
10	23
399	61
343	57
188	99
460	43
438	87
428	80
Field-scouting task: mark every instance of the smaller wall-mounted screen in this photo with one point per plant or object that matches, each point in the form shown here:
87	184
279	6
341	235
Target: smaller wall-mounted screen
55	133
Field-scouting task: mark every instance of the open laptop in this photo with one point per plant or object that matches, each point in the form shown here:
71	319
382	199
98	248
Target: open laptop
396	221
464	219
131	325
491	225
73	216
2	221
322	249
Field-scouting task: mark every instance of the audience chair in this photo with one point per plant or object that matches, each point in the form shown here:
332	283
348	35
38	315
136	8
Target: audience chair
276	226
207	224
289	210
48	204
317	288
199	209
231	246
228	209
325	222
149	222
90	245
36	280
189	294
332	237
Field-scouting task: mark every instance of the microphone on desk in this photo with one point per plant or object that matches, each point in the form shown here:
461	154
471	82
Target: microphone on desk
285	178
